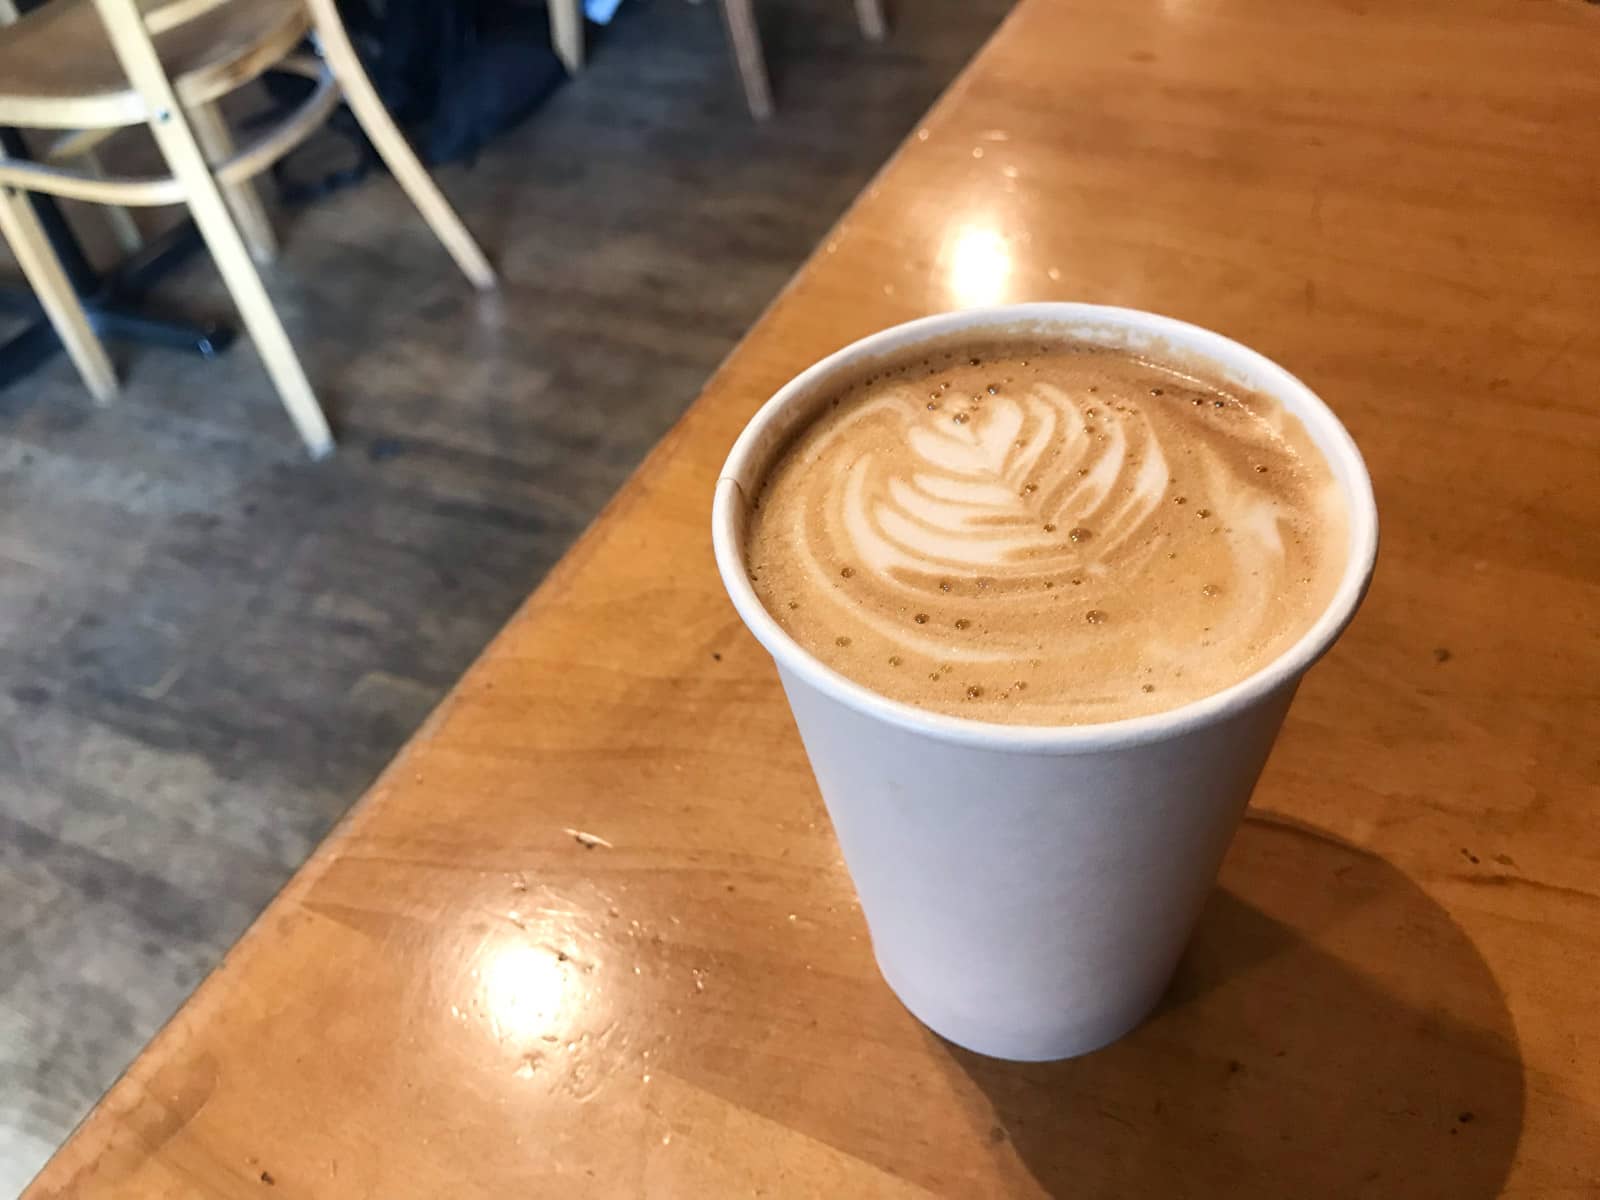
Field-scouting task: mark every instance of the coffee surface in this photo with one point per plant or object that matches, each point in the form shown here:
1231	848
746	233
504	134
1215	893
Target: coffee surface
1046	534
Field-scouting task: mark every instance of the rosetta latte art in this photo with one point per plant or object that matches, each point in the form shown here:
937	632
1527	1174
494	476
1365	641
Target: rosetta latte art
1071	536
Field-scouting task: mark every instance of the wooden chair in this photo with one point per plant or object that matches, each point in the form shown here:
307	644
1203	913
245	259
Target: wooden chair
566	34
97	66
745	35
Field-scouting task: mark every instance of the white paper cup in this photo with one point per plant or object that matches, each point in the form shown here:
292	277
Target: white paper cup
1029	889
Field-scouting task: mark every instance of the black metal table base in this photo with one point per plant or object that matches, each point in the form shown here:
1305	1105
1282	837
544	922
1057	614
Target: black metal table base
112	301
112	304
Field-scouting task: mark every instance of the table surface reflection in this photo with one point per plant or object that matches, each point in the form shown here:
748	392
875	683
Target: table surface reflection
590	934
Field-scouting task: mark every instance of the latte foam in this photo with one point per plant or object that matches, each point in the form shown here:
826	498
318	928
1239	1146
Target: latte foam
1046	533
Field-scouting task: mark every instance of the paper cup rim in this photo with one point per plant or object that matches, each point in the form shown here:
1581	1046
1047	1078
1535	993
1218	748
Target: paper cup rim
1132	328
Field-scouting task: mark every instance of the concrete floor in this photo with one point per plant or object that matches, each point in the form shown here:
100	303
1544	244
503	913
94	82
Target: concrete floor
208	645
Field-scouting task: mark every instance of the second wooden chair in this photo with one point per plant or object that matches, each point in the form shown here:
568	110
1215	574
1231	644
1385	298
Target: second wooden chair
751	59
566	33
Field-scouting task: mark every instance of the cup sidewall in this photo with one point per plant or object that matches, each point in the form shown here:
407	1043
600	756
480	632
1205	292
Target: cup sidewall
1025	905
1029	890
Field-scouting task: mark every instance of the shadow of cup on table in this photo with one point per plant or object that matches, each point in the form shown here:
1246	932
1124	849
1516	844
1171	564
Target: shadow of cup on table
1331	1032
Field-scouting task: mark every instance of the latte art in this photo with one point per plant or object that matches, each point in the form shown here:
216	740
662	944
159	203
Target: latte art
1000	486
1064	536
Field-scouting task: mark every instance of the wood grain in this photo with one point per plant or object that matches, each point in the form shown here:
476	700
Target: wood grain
1391	992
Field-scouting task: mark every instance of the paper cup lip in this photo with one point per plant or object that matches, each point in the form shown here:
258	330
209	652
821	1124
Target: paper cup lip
1132	328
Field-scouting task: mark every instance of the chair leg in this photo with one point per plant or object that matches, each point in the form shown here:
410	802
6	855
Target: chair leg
176	140
391	145
211	131
22	230
746	38
227	246
120	221
232	256
80	146
870	14
566	32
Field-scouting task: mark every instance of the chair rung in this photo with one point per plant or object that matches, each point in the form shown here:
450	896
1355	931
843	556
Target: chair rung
153	191
79	142
136	192
260	154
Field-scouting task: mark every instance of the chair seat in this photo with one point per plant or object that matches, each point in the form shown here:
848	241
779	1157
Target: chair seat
58	70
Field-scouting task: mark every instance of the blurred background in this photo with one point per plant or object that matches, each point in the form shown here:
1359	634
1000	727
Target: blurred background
210	642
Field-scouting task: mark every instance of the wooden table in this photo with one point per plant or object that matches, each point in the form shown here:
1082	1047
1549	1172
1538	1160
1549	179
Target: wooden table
590	934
